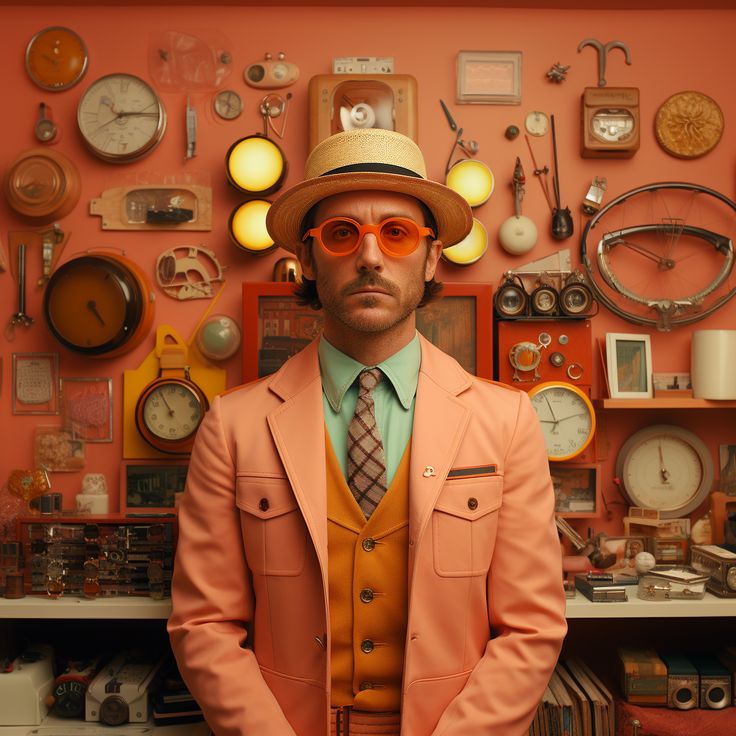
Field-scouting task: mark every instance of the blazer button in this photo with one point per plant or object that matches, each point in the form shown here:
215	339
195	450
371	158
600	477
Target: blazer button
366	595
367	646
369	544
263	504
472	503
366	686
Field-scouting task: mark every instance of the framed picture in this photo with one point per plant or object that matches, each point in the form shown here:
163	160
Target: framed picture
461	324
151	487
577	490
275	327
57	450
86	408
629	364
35	383
672	385
489	77
622	551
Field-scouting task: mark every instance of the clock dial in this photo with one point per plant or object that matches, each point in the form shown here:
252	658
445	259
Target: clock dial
56	58
667	468
567	418
121	118
172	411
536	123
612	126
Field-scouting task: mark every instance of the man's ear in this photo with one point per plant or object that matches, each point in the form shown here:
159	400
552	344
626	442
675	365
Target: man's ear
304	254
433	257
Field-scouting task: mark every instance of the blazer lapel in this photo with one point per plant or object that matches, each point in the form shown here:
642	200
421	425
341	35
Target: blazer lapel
298	430
440	421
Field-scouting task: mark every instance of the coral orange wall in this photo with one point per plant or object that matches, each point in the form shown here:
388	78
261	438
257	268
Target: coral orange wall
671	51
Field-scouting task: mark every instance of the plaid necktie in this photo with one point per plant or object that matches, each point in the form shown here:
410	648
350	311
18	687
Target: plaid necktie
366	458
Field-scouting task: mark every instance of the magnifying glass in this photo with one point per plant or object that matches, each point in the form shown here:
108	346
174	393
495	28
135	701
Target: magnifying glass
256	165
247	227
472	180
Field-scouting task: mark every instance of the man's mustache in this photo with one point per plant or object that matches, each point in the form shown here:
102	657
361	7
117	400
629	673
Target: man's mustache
372	280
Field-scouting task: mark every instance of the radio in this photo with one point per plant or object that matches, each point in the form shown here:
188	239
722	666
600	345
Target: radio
339	102
683	682
120	692
715	682
719	564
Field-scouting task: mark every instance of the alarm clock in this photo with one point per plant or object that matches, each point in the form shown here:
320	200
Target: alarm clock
566	416
610	122
99	304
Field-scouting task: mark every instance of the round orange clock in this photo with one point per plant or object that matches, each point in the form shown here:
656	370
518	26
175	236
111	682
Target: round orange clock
56	58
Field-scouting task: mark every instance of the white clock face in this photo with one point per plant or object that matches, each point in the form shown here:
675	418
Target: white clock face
666	468
536	123
172	412
567	419
121	118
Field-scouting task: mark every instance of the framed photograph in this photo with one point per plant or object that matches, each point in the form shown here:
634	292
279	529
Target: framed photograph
460	323
35	383
629	364
151	487
489	77
86	408
275	327
577	490
57	450
622	551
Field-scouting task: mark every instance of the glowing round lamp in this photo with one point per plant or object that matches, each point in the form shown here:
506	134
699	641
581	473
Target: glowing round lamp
517	235
219	337
247	227
470	248
255	165
472	180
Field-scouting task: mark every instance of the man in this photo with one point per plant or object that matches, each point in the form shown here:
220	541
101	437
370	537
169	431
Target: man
368	551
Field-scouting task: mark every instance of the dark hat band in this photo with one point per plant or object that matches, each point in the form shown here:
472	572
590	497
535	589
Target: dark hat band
373	167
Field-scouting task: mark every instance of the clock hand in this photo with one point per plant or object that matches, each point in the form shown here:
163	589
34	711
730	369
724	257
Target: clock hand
92	306
168	406
554	418
664	473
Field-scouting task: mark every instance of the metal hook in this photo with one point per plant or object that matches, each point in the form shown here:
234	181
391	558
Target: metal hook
603	50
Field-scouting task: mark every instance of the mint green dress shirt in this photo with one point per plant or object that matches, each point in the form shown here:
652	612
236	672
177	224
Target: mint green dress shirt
393	398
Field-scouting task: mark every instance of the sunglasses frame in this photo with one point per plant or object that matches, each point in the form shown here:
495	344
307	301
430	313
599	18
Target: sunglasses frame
363	230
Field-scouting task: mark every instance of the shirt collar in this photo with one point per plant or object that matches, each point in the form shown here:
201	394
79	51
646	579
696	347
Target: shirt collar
339	371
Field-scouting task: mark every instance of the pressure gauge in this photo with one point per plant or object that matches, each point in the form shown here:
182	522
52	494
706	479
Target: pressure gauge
612	126
667	468
610	122
567	418
536	123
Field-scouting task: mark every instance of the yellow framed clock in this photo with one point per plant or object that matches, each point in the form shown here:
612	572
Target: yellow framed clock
567	418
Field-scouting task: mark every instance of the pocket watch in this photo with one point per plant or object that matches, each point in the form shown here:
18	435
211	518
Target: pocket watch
56	58
171	408
567	418
99	304
121	118
667	468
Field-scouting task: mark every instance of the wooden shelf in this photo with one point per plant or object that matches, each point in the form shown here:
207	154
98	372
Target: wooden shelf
709	607
73	727
663	403
70	607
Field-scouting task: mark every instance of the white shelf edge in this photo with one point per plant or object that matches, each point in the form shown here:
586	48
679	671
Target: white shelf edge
83	728
72	607
710	606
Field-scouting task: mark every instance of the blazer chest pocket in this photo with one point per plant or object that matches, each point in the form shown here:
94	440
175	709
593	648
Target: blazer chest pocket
464	524
274	532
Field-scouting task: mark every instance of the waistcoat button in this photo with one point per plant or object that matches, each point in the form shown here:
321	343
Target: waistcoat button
366	595
369	544
366	686
263	504
472	503
367	646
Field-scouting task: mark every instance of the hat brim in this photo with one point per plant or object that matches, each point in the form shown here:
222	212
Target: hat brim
451	212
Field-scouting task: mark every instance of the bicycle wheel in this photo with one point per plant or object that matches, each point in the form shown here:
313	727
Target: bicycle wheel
662	254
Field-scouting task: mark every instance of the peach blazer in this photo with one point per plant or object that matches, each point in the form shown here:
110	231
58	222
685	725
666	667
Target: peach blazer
250	599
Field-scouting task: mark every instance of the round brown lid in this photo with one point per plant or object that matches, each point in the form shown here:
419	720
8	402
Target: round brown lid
42	184
688	124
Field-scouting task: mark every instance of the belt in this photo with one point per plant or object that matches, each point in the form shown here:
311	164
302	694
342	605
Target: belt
345	721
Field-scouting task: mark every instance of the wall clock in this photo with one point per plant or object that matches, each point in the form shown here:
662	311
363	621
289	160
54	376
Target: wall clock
667	468
567	418
99	304
121	118
56	58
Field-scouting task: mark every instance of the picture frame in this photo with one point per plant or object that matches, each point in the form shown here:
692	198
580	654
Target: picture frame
624	548
35	383
57	450
672	385
629	365
489	77
151	486
275	327
577	490
86	408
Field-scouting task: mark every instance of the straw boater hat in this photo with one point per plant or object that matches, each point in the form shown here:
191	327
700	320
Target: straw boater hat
367	159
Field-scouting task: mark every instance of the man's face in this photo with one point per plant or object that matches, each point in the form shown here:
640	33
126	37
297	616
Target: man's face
369	291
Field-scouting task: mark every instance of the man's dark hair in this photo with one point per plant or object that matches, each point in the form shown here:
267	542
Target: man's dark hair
306	289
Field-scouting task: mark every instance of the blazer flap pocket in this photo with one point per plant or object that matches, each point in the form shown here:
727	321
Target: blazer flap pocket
471	499
264	496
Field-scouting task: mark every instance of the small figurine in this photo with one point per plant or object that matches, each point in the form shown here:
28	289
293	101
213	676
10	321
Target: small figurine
558	72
